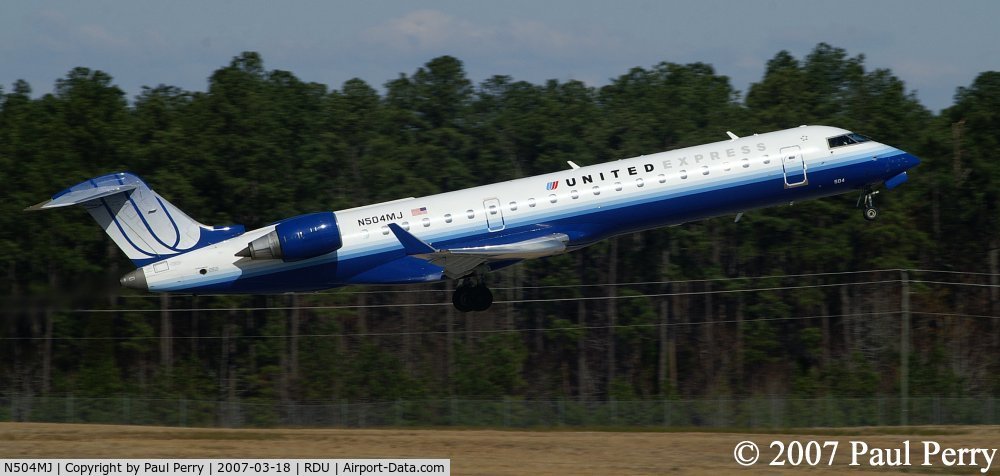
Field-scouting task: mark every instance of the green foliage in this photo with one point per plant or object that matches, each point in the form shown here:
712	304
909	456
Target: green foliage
490	367
374	374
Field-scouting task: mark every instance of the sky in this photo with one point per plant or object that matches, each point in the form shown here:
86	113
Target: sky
933	46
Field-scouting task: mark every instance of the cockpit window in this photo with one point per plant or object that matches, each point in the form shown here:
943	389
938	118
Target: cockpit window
858	138
846	139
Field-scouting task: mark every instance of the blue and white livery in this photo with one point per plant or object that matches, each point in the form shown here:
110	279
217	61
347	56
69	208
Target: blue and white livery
465	234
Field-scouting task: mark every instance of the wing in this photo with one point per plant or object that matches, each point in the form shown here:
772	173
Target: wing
458	262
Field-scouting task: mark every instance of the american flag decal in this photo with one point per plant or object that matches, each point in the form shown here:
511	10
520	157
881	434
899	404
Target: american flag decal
552	185
419	211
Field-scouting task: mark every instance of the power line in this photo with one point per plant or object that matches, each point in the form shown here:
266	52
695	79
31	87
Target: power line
953	314
487	331
946	271
512	301
979	285
504	331
343	291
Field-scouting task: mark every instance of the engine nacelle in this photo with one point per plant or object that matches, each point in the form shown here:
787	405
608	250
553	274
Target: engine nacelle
297	238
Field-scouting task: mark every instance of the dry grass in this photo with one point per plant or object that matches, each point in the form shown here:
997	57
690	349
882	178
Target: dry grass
478	451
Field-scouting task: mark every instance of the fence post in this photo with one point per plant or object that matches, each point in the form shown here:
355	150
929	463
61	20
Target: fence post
562	410
937	409
881	410
666	412
126	410
774	412
506	411
452	411
904	351
182	411
828	418
992	405
721	412
993	411
614	411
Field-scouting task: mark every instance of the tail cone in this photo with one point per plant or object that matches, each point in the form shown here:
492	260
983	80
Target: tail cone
135	280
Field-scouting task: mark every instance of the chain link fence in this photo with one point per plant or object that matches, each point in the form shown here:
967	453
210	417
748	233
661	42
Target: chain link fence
757	412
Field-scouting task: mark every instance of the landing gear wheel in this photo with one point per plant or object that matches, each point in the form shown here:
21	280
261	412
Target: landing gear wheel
472	294
482	298
472	298
463	299
867	202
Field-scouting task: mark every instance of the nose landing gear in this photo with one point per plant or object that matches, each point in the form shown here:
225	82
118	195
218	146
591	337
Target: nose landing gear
867	198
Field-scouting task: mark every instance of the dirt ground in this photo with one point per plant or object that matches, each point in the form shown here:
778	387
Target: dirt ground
490	451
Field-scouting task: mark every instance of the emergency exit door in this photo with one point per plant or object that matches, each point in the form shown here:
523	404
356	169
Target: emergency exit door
494	215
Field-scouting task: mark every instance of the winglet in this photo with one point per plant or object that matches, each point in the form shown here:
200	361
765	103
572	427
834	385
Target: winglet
572	164
411	244
732	136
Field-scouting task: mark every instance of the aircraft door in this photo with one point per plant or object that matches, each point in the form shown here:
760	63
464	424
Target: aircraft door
494	215
793	166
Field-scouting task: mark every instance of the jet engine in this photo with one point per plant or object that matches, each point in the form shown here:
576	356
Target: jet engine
297	238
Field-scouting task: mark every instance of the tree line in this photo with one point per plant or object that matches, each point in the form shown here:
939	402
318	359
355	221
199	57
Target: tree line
764	306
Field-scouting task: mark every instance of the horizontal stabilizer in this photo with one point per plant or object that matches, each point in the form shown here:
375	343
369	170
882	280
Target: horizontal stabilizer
76	197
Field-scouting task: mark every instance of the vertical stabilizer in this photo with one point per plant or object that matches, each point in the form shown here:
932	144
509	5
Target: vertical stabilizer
145	226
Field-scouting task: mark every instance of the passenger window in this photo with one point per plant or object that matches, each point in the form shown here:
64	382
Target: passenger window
663	178
531	203
513	206
385	230
767	160
470	213
727	166
447	217
426	222
684	174
618	186
493	209
704	170
639	183
746	163
364	234
574	194
597	190
405	225
552	198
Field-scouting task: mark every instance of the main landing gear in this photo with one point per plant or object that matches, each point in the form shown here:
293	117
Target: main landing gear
868	199
472	295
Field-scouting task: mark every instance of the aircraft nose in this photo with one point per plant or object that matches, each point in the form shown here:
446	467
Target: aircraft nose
135	279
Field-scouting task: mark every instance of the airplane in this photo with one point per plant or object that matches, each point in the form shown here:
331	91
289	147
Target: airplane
465	234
